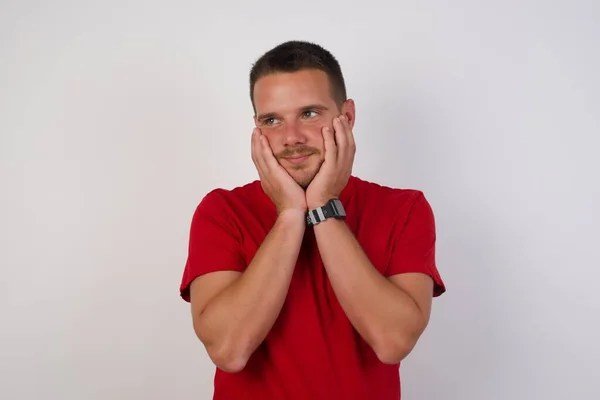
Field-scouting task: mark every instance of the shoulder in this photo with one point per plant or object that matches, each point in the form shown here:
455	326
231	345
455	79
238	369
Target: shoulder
229	198
244	208
403	200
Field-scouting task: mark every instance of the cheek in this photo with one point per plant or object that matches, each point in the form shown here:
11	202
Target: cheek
273	139
315	139
271	135
315	134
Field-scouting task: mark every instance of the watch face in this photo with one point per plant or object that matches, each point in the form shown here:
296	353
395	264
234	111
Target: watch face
338	208
333	209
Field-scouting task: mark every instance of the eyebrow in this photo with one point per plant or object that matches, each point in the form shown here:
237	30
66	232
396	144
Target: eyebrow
262	117
318	107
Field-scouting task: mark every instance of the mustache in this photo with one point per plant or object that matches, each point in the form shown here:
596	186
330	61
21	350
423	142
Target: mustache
298	152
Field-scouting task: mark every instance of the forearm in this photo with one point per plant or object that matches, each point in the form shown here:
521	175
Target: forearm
238	319
385	316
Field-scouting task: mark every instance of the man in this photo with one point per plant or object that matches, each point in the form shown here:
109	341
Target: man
309	283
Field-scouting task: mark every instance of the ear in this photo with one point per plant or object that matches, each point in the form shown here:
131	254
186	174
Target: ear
349	110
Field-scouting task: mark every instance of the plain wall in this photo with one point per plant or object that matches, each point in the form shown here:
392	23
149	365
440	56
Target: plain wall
117	117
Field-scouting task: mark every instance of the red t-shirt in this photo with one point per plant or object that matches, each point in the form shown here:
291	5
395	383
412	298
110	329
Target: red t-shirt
313	352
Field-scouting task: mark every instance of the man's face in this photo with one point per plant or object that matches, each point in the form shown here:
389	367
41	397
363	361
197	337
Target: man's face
291	111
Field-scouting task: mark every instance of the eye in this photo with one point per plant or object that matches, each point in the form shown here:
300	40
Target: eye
309	113
269	121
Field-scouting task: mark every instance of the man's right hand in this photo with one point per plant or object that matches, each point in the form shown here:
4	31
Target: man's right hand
233	312
281	188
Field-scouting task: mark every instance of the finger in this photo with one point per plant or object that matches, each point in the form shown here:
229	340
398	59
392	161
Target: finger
255	146
331	152
259	160
340	135
350	135
267	154
346	151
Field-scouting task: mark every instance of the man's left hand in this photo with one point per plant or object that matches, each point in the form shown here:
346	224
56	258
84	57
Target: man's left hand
337	167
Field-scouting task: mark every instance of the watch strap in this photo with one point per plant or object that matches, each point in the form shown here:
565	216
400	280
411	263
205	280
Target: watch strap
333	209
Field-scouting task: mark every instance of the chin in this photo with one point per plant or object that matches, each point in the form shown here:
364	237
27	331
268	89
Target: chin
304	174
303	181
304	184
302	178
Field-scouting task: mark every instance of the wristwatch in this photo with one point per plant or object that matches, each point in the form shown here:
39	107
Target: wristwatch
333	209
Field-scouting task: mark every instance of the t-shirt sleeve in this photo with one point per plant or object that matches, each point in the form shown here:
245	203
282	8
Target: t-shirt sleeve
415	240
214	242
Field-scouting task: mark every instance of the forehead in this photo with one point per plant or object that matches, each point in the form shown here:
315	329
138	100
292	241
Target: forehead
291	90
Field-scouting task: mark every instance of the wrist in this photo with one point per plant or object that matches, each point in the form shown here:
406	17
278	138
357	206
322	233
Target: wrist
292	217
332	208
319	202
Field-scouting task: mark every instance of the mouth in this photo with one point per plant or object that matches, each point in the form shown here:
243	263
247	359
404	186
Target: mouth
297	159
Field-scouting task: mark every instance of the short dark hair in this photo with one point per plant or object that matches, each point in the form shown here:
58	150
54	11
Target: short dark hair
293	56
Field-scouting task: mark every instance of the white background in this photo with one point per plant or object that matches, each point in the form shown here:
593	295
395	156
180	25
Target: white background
117	117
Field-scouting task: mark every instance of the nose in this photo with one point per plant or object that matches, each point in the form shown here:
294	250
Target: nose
293	135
